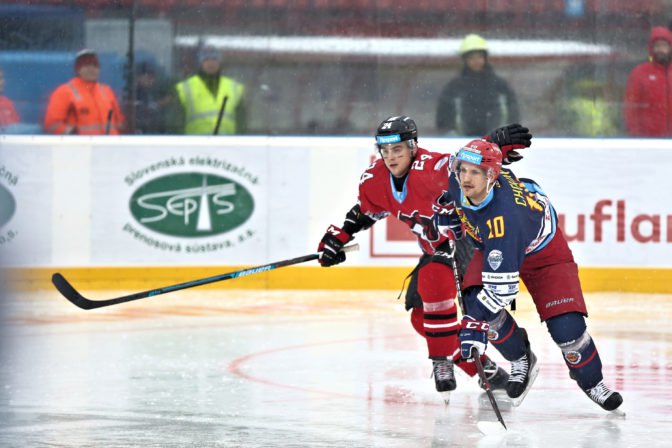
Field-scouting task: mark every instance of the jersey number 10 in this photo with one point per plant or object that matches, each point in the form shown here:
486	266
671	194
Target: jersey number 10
496	227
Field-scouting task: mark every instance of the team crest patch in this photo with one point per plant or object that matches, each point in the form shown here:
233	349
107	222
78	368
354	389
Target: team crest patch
493	335
495	258
573	357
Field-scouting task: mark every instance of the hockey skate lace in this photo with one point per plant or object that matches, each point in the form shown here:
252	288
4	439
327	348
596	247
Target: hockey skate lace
599	393
519	370
443	371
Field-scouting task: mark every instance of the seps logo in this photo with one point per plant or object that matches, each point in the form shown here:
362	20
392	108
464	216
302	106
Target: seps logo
7	206
191	204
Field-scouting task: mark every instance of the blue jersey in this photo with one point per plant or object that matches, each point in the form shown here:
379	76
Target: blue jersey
515	220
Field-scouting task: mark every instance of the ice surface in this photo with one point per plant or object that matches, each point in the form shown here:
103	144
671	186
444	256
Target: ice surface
304	369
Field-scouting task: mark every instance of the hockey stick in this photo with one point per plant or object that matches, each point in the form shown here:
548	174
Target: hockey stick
486	385
474	350
108	123
70	293
219	117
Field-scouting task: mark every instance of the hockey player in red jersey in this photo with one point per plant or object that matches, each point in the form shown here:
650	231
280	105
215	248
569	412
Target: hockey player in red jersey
514	227
404	183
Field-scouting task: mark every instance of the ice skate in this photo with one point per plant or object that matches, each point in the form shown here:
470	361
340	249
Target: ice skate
524	371
608	399
444	377
497	377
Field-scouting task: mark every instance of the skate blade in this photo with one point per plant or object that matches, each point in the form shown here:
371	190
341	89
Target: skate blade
533	376
617	413
446	397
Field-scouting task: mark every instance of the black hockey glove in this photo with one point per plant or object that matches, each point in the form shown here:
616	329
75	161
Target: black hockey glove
509	138
330	246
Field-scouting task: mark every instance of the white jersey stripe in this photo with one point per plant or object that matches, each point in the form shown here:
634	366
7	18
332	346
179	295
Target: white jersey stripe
438	306
426	325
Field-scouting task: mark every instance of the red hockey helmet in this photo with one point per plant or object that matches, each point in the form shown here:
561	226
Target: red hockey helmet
486	155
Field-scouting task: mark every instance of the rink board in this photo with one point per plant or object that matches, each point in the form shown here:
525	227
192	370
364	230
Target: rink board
159	210
642	280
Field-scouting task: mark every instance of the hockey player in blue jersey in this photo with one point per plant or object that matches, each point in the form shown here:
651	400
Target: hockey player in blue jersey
514	227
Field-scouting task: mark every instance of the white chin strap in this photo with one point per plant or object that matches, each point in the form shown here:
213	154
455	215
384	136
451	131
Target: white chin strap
491	183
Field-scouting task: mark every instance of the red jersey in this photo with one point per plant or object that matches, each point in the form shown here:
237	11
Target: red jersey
426	180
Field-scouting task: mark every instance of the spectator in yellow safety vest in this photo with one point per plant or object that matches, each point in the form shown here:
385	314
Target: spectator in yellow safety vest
587	112
202	96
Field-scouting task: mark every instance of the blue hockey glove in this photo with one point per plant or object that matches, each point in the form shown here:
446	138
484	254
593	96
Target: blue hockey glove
330	246
473	333
446	219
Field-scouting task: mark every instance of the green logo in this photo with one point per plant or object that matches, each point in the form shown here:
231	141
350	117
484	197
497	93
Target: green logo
191	204
7	205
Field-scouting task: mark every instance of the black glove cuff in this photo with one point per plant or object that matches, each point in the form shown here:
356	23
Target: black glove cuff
355	221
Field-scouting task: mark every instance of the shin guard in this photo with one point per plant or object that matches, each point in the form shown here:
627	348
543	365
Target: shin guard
506	336
440	324
578	348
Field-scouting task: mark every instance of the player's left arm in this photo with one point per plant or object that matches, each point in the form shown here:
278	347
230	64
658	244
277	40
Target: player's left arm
335	238
361	216
510	138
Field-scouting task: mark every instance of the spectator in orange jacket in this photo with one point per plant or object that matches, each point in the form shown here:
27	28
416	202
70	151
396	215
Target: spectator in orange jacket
8	114
647	106
83	105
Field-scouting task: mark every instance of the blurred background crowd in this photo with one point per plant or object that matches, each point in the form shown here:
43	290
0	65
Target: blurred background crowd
588	68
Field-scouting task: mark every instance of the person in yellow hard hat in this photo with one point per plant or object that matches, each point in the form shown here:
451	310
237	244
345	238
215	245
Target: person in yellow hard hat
477	99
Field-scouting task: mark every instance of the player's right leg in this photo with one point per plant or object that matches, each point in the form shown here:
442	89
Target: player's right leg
513	344
431	296
440	324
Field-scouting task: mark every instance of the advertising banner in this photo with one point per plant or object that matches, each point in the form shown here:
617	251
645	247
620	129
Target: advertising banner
206	202
610	196
202	201
26	212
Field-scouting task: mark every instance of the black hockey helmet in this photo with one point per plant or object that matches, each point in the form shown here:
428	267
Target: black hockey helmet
395	129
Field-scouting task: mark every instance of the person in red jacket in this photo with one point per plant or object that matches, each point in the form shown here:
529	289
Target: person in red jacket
83	105
647	106
8	114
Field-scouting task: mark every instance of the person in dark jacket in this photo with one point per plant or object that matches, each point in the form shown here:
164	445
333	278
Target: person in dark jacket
152	95
477	100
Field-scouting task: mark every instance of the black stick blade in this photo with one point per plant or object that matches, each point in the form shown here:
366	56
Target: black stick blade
70	293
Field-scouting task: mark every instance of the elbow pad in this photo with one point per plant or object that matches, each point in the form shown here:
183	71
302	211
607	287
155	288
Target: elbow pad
355	220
